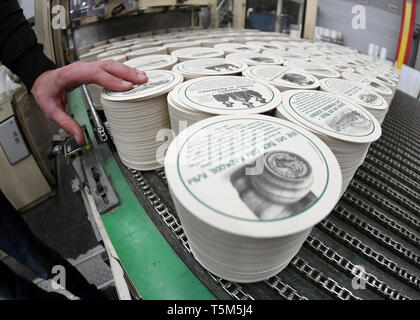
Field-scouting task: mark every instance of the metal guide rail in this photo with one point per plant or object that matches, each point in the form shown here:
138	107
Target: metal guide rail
367	248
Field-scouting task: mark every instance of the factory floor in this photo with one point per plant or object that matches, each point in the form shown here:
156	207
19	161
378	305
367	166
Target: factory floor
62	223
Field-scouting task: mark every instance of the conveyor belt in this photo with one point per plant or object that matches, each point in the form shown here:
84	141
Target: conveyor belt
374	227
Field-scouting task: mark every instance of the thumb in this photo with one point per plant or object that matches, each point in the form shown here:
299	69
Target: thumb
69	125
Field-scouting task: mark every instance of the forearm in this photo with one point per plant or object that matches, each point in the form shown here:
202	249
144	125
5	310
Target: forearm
19	48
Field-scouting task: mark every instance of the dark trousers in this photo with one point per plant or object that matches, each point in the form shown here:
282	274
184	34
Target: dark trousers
18	241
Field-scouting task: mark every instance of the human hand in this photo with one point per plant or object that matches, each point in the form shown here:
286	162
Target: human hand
50	88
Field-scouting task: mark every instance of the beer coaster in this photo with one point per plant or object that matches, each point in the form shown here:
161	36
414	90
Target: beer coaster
144	45
266	45
210	67
197	53
271	182
146	52
230	47
286	55
179	45
354	92
371	83
229	95
256	58
358	93
331	115
111	53
152	62
284	78
159	83
137	118
313	68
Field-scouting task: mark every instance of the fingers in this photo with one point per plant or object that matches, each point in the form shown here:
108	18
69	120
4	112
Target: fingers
109	74
124	72
69	125
111	82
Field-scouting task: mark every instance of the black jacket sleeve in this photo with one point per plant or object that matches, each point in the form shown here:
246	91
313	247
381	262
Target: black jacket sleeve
19	48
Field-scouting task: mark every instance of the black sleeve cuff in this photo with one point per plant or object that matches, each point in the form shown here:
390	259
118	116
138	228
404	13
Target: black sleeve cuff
31	65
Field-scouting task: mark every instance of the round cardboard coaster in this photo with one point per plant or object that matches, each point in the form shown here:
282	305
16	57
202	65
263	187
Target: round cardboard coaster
137	118
284	78
146	52
355	92
152	62
229	95
296	179
256	58
159	83
210	67
331	115
197	53
110	53
371	83
313	68
230	47
266	45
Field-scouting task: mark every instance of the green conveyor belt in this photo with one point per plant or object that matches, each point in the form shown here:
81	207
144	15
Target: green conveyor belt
151	263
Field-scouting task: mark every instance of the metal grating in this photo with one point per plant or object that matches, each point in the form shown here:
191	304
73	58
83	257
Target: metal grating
374	228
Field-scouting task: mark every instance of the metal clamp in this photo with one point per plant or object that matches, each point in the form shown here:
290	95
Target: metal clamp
99	128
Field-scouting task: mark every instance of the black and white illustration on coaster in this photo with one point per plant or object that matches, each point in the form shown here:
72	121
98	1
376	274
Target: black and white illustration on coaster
298	79
282	188
223	67
244	97
204	54
350	121
368	97
263	59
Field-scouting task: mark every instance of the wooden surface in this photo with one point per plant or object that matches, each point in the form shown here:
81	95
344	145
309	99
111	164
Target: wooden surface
239	13
57	35
311	15
43	27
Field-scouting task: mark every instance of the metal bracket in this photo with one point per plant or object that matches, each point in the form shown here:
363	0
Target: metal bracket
99	185
97	123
